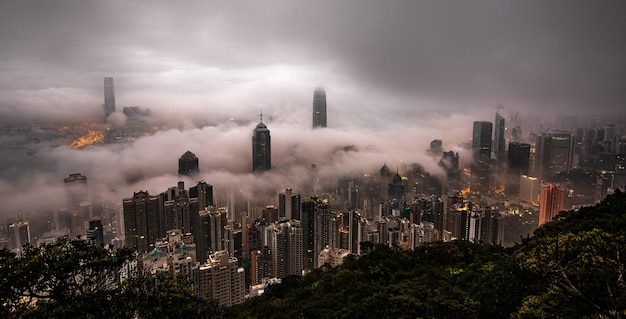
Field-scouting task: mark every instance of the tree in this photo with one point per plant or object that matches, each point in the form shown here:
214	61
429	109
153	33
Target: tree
585	269
66	273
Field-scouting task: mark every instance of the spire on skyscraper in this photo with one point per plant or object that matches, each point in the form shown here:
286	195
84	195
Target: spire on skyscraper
261	148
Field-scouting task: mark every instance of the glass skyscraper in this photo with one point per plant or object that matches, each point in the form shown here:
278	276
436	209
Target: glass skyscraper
319	108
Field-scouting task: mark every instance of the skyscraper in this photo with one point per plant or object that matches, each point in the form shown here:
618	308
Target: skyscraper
481	149
220	279
141	221
109	97
319	108
552	198
188	164
76	191
498	140
261	148
561	152
518	162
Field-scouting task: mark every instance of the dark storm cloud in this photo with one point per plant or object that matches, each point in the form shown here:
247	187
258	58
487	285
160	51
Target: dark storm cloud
397	75
446	55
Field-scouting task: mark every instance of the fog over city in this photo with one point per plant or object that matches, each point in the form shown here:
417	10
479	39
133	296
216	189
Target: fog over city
397	75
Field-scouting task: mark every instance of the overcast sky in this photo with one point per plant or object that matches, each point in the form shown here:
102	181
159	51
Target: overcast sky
397	74
380	58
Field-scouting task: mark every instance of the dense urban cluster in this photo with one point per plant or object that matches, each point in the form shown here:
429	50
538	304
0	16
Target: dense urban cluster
229	247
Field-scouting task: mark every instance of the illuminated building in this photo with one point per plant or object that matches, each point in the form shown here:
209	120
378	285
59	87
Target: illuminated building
481	149
529	189
552	199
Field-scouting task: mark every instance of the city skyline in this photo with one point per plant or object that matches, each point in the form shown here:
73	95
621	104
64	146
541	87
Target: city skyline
389	97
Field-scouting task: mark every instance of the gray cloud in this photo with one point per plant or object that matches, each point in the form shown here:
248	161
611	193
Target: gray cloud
397	75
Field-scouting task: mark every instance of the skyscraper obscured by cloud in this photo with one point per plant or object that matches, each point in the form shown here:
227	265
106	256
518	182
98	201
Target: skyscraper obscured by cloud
188	164
109	97
481	150
498	140
261	148
319	108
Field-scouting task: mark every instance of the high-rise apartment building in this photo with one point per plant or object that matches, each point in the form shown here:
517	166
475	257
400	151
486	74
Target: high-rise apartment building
285	242
220	279
182	213
109	97
552	202
261	148
481	150
212	222
141	221
319	108
289	205
188	164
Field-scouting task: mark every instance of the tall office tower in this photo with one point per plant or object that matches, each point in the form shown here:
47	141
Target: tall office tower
76	191
498	140
516	134
319	108
311	208
542	156
220	279
518	162
561	152
141	221
261	148
289	205
188	164
203	192
395	188
481	149
285	242
436	148
552	199
109	97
